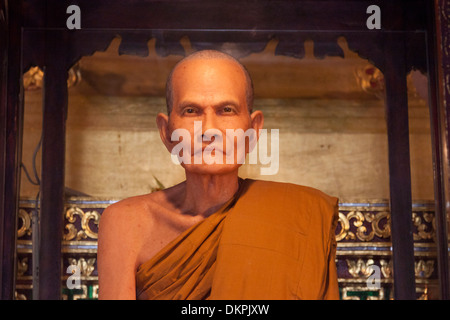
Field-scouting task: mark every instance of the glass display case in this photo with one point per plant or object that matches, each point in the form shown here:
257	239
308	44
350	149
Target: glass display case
355	100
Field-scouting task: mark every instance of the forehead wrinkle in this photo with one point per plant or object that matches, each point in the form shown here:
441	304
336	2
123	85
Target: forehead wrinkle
208	74
211	55
219	104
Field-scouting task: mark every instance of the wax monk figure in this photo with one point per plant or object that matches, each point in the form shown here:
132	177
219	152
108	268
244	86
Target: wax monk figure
216	235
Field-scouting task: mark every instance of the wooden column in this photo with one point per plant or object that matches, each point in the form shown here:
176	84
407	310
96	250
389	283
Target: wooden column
11	119
399	167
439	105
53	165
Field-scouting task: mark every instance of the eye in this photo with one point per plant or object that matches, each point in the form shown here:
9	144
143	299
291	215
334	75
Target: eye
228	109
189	110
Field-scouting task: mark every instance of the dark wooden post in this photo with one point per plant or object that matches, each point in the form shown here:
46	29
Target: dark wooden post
439	104
11	118
53	165
399	167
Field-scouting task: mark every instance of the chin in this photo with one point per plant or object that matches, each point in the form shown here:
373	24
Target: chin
213	169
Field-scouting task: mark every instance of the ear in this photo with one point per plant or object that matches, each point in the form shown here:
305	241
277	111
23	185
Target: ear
162	121
257	121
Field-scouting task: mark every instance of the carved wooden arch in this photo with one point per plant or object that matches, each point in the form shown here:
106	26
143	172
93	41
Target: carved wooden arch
77	44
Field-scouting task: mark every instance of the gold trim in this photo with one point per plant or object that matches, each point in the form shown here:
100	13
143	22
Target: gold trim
79	243
387	281
24	286
76	251
374	253
364	253
362	281
363	244
82	278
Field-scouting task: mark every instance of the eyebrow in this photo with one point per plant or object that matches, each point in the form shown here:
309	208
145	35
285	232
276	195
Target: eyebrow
188	103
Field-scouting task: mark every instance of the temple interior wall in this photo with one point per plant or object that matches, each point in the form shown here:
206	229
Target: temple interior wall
114	150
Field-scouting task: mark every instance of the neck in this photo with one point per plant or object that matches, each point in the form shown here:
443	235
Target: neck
205	193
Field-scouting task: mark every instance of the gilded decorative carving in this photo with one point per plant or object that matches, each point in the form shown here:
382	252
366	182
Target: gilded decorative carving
74	76
371	80
344	233
19	296
33	79
387	269
86	217
86	267
423	229
359	225
374	219
360	268
95	291
25	218
363	238
424	294
424	269
22	266
380	225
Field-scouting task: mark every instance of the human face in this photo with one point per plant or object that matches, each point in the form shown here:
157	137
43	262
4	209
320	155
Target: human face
214	92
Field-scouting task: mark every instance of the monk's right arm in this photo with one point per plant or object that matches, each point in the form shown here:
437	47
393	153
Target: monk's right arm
116	256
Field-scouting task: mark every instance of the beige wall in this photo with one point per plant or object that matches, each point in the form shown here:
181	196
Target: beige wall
114	150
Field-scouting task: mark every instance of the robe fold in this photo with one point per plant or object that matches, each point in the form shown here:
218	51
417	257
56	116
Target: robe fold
271	241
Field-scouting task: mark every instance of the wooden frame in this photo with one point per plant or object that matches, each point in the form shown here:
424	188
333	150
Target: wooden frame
36	34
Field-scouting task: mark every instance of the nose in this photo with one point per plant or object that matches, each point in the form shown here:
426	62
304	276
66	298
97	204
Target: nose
210	121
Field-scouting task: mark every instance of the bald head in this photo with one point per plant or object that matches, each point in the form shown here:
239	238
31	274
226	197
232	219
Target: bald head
207	55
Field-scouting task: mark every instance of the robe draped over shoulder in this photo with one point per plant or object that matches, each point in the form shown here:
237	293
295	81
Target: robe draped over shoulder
272	241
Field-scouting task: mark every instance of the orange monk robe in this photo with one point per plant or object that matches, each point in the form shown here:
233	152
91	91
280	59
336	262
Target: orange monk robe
272	241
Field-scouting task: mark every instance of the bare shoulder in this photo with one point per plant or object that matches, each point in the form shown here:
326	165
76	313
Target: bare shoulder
121	238
129	217
127	208
119	243
129	233
133	222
